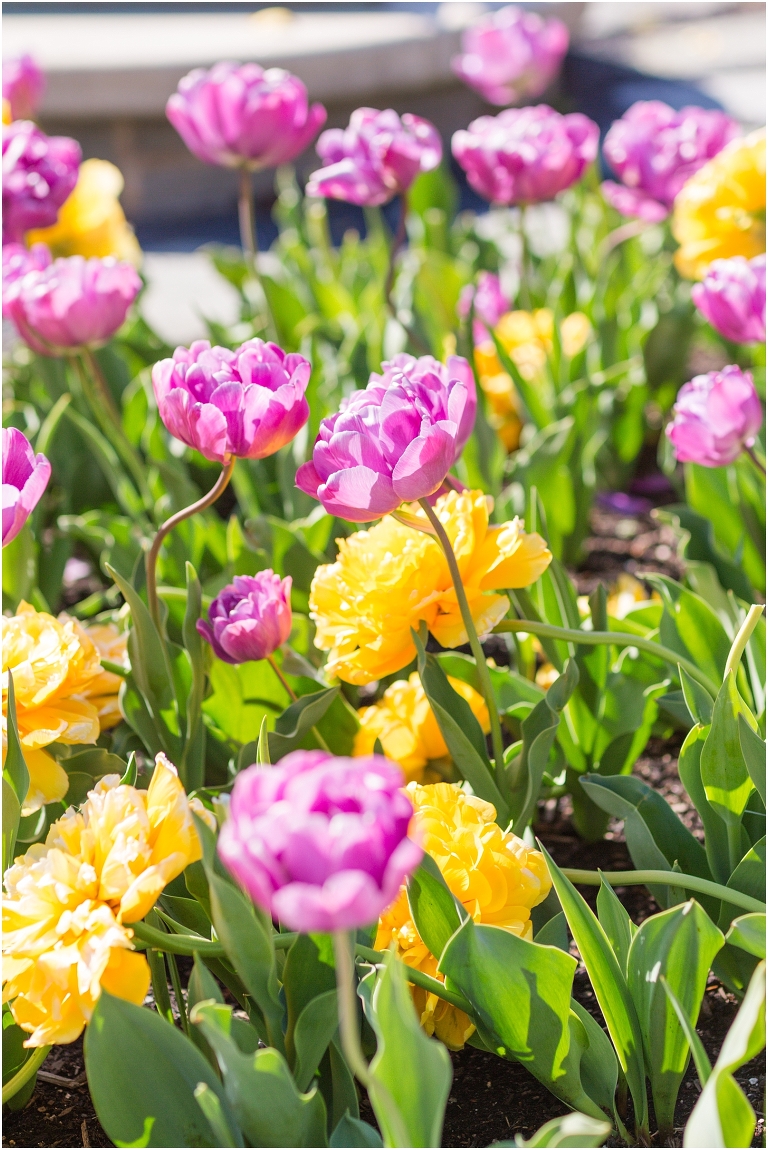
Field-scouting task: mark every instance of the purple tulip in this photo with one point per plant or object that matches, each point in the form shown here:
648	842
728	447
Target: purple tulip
377	157
39	172
246	403
394	442
716	416
250	618
490	304
23	87
320	843
525	155
511	55
17	261
238	115
72	303
732	298
654	150
25	478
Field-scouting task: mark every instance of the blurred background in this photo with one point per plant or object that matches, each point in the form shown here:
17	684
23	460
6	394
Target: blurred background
112	66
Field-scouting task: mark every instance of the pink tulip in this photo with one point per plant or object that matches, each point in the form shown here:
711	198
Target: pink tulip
320	843
511	55
715	417
72	303
377	157
490	304
525	155
394	442
25	478
654	150
23	87
17	261
246	403
732	298
250	618
39	172
238	115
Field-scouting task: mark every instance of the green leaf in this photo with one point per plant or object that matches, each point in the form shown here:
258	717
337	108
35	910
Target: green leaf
700	1059
609	985
309	971
211	1107
521	998
698	700
724	774
679	944
694	628
157	1069
618	926
753	750
554	933
15	780
149	667
748	933
715	832
294	724
570	1130
748	877
355	1132
188	912
259	1087
434	910
539	731
722	1115
413	1069
96	761
192	766
262	748
315	1027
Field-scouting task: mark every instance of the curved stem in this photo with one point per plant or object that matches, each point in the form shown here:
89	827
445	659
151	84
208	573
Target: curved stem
753	456
609	638
624	232
397	242
22	1076
102	405
185	513
666	878
293	697
483	673
176	943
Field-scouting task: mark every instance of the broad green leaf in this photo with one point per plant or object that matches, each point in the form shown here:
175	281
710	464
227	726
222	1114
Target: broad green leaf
700	1058
598	1066
722	1115
315	1027
698	700
715	832
413	1069
96	761
609	985
570	1130
259	1088
212	1109
618	926
679	944
337	1086
308	971
539	731
355	1132
15	780
149	667
748	933
724	774
188	912
434	910
157	1070
521	996
700	634
749	878
554	932
192	767
753	750
292	727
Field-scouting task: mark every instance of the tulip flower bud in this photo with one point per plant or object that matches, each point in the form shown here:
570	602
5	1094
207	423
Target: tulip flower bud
490	304
716	416
511	55
250	618
25	478
39	172
732	298
23	87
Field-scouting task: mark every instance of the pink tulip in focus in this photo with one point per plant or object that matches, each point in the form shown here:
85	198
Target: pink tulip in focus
18	260
72	303
250	618
490	304
732	298
716	416
654	150
238	115
526	155
318	842
377	157
511	55
394	442
25	478
39	172
246	403
23	87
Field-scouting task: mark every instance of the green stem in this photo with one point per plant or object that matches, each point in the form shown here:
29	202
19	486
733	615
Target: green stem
742	638
102	405
165	528
249	245
483	673
666	878
753	456
178	993
398	240
418	978
293	697
525	263
176	943
735	851
610	638
156	960
22	1076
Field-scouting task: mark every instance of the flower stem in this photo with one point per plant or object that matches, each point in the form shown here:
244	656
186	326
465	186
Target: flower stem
248	241
618	236
483	673
292	696
397	242
525	263
666	878
22	1076
164	529
752	455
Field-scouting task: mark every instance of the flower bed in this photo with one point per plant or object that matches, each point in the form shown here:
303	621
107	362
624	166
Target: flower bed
339	647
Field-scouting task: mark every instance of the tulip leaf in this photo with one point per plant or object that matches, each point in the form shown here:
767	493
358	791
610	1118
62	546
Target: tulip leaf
292	727
259	1088
315	1027
570	1130
149	666
753	750
308	972
749	878
700	1058
691	627
609	985
211	1107
15	780
748	933
354	1132
722	1115
715	831
435	911
157	1069
539	732
618	926
724	774
679	944
192	765
698	700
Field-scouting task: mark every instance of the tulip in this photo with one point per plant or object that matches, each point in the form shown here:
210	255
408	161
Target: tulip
246	403
18	260
716	417
71	304
393	442
490	305
250	618
39	172
525	155
239	116
654	150
732	298
25	478
320	843
511	55
377	157
23	87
